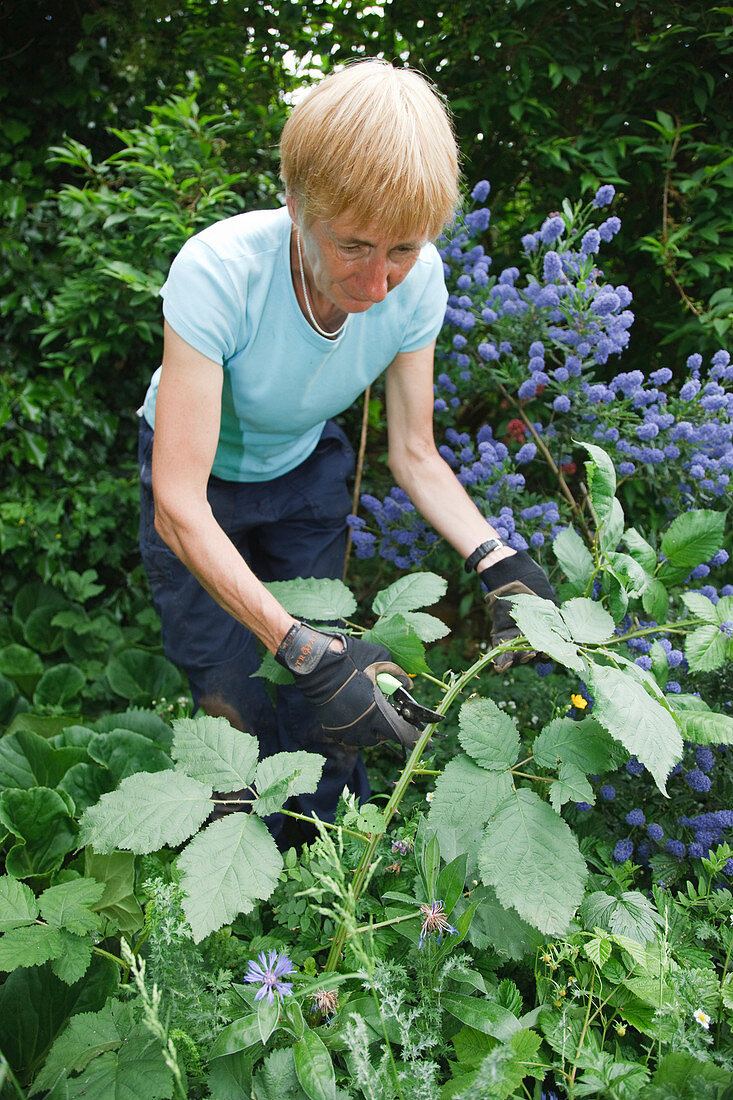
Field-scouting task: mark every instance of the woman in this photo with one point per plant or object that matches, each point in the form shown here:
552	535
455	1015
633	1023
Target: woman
276	321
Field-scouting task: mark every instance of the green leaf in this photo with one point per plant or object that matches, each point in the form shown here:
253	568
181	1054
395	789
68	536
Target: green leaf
574	557
531	858
267	1017
85	1036
427	855
660	664
601	481
427	627
401	640
21	664
317	600
147	811
136	1069
29	946
270	670
69	905
682	1076
224	869
501	929
465	797
143	677
276	1078
35	1005
18	905
451	881
145	722
409	593
691	539
42	820
705	648
587	621
638	721
611	529
27	761
282	775
630	915
706	727
488	734
240	1035
485	1016
655	601
583	743
123	753
570	786
700	606
212	751
118	904
76	955
314	1067
85	784
640	550
544	628
598	950
59	685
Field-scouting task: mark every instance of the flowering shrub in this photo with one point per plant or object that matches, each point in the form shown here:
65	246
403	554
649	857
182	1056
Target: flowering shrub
538	344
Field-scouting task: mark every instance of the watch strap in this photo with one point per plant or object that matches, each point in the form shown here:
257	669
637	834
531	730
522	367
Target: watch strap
480	553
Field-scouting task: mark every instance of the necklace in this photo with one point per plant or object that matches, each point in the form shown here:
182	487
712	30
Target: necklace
316	326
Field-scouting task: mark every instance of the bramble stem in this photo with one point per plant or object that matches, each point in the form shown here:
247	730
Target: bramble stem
401	786
326	824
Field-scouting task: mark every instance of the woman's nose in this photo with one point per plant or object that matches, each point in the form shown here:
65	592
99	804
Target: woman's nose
376	279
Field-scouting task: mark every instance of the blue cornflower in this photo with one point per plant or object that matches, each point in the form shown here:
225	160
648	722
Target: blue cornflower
624	850
604	194
635	817
269	971
434	920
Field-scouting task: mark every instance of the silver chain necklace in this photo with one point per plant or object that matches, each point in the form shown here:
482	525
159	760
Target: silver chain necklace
316	326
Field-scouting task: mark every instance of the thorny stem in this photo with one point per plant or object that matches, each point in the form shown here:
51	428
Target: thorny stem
381	924
527	775
326	824
359	471
362	870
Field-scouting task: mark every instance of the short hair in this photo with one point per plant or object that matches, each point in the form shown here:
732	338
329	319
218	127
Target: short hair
377	141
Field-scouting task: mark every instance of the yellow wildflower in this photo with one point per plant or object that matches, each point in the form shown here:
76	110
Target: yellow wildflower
579	702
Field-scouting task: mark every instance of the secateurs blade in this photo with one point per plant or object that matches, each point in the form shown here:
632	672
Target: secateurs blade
412	711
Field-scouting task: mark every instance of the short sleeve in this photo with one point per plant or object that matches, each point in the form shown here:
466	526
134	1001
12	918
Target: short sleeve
201	303
427	318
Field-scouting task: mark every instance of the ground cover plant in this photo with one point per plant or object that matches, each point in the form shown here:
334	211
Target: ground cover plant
532	904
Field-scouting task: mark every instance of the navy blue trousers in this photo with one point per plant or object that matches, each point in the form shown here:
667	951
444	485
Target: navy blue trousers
292	526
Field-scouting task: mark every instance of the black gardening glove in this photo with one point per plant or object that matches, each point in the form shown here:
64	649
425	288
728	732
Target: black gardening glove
512	576
342	686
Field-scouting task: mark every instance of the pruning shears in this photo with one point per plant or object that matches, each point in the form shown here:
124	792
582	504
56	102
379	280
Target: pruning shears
406	706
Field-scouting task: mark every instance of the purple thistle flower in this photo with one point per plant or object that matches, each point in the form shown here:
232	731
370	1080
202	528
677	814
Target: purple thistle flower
434	920
269	971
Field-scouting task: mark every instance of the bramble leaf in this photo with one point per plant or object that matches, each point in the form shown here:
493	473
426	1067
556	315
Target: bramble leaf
409	593
282	775
583	743
641	723
488	734
571	785
601	481
691	539
212	751
465	797
531	858
32	945
224	869
544	628
630	915
316	599
705	648
706	727
85	1036
574	557
146	812
401	640
18	905
427	627
73	961
69	905
587	621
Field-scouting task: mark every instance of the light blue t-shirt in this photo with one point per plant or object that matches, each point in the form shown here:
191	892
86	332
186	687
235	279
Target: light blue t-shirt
230	295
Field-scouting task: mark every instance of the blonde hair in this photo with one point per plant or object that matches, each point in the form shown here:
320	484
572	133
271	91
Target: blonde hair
376	141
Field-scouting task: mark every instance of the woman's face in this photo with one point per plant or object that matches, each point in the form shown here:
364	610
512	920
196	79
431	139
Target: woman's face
355	266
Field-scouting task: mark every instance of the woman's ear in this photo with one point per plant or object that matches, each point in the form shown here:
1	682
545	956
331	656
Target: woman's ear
292	205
